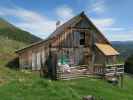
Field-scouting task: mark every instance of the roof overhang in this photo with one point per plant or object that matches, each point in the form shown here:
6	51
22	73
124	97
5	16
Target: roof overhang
106	49
31	45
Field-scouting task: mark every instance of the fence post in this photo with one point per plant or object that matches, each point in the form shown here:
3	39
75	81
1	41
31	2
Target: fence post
121	80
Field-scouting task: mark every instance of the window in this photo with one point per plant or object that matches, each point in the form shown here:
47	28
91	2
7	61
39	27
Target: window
82	38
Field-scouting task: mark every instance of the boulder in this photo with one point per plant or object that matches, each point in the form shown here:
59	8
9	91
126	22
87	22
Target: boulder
89	97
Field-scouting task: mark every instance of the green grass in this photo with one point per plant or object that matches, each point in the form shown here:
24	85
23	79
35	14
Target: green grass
8	46
7	50
29	86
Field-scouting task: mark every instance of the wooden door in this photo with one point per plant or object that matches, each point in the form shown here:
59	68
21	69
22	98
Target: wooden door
52	66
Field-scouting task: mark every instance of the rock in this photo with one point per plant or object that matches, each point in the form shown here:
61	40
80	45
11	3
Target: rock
88	98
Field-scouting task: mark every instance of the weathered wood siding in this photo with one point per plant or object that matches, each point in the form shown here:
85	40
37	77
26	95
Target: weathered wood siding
34	57
80	54
99	57
111	60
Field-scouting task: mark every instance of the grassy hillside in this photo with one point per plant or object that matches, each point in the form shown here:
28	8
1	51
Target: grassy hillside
11	39
28	86
9	31
7	54
8	47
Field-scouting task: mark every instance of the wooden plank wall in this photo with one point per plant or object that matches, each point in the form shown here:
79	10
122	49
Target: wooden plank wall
34	57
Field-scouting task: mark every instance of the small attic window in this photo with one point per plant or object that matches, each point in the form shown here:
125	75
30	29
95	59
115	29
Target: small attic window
82	38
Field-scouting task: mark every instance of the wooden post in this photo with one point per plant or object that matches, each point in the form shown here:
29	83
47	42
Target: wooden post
93	49
121	80
104	68
54	69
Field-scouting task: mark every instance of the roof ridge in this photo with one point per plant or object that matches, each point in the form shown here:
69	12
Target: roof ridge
68	21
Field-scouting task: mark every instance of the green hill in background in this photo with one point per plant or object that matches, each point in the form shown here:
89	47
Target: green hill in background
124	47
9	31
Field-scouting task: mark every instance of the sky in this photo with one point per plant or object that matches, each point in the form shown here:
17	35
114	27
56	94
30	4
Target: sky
114	18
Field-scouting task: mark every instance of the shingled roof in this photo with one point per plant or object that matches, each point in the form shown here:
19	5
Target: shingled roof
61	28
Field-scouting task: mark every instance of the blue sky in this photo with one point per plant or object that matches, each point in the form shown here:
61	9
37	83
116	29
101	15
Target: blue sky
113	17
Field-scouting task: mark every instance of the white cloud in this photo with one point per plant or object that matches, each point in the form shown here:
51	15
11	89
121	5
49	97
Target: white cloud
36	23
106	25
1	13
99	6
31	21
64	12
123	36
114	29
103	23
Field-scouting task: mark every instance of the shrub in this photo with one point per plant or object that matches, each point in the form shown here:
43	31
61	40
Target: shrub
129	65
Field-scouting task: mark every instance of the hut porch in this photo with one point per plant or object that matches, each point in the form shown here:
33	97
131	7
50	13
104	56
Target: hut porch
76	62
71	63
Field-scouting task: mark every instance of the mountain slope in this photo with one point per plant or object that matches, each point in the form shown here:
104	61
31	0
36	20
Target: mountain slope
12	39
125	48
9	31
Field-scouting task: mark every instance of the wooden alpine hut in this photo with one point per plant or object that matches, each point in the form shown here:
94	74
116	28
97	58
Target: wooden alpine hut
75	49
